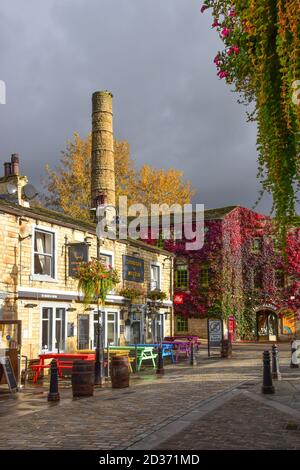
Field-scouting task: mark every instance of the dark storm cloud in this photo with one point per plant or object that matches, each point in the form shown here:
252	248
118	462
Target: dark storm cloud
156	57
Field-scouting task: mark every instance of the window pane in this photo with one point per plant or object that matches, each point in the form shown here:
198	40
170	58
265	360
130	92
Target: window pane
258	279
45	334
111	333
43	265
58	336
60	329
182	324
279	279
43	242
155	275
257	244
106	260
181	276
47	317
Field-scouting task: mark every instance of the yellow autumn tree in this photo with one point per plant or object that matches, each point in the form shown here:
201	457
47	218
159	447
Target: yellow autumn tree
68	185
160	186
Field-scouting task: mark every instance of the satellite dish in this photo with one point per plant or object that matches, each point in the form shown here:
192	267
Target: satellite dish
29	192
11	189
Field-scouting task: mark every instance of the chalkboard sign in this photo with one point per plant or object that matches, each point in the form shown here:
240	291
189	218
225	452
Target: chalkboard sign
9	373
215	333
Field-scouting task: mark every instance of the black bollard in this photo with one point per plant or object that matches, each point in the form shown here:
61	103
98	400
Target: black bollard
160	362
53	394
275	363
193	361
135	356
267	387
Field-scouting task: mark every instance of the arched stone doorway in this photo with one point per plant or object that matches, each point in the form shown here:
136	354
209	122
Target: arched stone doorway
266	325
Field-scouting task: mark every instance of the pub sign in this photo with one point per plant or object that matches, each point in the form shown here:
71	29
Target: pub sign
78	253
133	269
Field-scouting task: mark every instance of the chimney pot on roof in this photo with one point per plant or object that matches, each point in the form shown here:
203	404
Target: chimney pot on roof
7	169
15	167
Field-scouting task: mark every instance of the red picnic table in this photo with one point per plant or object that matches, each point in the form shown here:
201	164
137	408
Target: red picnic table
63	362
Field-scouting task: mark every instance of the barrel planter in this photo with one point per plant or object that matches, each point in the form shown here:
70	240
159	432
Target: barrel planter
119	372
83	374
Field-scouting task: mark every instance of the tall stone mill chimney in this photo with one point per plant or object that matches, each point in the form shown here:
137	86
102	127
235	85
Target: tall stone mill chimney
103	164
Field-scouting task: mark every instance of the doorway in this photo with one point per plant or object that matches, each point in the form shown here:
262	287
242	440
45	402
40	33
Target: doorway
267	325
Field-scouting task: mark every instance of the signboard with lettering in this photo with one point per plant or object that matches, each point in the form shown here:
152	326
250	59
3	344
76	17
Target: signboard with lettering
78	253
215	334
5	364
133	269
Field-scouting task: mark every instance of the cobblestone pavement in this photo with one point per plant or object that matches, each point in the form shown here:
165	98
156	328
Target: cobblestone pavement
249	420
240	424
122	419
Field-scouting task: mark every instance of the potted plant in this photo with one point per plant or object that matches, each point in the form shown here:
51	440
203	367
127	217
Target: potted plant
95	280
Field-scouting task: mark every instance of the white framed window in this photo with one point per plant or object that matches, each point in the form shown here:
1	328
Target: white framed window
53	329
154	276
44	254
107	257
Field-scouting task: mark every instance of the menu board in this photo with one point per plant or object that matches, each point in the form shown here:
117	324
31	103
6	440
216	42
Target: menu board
9	373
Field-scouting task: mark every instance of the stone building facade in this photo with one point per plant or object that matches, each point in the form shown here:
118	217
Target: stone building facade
240	275
36	286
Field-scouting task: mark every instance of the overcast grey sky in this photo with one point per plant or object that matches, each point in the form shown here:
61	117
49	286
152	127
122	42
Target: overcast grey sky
156	56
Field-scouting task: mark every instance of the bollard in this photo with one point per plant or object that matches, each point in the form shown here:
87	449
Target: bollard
226	348
53	394
267	387
294	358
193	361
135	357
275	363
160	362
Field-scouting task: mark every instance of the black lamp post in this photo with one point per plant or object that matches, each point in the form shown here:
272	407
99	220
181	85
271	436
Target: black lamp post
99	349
99	366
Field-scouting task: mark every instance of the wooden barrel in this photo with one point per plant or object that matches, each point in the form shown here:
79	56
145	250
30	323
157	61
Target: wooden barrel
119	372
83	375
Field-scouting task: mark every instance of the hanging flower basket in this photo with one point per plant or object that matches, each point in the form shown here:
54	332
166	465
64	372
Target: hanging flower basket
157	295
132	293
95	280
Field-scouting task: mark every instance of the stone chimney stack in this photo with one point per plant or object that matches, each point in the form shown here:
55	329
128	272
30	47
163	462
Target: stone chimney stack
13	179
103	163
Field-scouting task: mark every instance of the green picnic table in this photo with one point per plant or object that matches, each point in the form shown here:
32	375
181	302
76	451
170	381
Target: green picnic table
144	353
